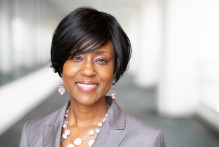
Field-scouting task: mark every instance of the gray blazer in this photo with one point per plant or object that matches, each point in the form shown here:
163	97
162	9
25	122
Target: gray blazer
119	130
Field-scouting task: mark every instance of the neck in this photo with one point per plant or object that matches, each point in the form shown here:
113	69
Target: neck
86	115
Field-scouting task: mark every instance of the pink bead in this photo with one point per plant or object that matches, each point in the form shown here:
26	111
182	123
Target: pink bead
61	92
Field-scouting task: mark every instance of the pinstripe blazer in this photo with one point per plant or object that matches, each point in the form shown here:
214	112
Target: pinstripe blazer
119	130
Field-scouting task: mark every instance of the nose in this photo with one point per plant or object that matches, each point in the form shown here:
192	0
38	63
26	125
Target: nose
88	69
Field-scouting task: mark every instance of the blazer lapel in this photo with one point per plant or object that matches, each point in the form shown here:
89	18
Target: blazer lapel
52	135
52	130
113	130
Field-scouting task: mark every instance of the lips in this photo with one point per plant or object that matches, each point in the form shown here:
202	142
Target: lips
87	86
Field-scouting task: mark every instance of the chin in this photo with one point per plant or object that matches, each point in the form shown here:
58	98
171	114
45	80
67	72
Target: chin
87	100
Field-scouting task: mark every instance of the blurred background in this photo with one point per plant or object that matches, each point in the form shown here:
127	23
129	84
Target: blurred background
173	78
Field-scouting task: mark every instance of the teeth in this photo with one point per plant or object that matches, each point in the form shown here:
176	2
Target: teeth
86	86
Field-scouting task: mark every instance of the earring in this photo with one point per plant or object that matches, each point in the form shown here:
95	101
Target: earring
113	93
61	87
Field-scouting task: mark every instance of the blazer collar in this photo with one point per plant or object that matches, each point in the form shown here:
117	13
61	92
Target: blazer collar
116	117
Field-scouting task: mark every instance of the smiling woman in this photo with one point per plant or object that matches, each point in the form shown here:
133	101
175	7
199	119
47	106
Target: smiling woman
90	51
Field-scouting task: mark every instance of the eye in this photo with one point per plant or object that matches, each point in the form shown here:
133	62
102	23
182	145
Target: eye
77	58
101	61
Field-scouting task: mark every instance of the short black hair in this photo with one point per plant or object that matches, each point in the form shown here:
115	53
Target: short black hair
87	27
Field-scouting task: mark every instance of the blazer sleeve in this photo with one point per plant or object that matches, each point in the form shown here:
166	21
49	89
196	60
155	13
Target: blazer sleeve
23	140
158	140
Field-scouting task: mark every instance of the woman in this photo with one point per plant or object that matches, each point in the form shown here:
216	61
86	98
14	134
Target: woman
90	52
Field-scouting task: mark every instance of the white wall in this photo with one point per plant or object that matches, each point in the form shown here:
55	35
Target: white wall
20	96
175	47
132	27
149	43
210	56
26	28
189	67
5	60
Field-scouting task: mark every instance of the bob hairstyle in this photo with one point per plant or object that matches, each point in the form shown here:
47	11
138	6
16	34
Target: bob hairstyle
85	30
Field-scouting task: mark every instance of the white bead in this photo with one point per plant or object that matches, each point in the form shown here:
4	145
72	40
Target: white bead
64	136
100	124
67	132
91	142
78	141
104	119
97	130
70	145
64	126
91	132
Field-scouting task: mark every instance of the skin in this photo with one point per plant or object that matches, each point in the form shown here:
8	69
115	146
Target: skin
87	108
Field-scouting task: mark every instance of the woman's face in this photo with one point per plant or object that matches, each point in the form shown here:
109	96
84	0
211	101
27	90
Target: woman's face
88	77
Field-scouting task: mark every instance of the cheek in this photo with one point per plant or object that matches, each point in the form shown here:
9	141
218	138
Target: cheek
107	74
69	70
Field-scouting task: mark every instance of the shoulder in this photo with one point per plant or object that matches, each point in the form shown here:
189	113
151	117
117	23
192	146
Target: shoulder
142	133
139	133
132	123
36	124
50	119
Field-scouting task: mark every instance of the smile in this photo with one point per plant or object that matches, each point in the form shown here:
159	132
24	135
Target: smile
86	87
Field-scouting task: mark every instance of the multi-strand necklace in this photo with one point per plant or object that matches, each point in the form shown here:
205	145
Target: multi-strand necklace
78	141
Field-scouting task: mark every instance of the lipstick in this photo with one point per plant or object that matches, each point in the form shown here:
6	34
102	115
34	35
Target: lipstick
86	86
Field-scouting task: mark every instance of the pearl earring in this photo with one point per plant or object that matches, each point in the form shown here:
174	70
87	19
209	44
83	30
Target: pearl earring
113	93
61	88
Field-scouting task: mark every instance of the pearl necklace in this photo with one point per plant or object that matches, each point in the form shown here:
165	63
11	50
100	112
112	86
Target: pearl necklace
78	141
